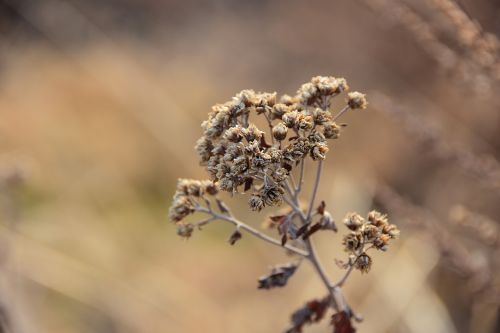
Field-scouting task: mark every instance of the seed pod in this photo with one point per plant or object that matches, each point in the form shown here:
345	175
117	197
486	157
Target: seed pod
280	131
256	203
356	100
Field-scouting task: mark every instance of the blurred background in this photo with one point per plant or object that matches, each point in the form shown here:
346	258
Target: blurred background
100	106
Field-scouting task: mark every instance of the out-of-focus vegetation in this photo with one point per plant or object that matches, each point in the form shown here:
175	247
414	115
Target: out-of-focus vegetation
100	105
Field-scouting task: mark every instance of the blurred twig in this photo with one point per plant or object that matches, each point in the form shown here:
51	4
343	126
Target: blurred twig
479	274
484	168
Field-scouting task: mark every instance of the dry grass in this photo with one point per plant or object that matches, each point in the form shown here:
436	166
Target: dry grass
102	125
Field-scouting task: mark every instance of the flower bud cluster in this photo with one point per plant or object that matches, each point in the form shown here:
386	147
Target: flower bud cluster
374	231
236	153
183	203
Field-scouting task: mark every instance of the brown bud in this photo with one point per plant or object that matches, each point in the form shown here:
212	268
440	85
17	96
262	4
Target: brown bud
280	131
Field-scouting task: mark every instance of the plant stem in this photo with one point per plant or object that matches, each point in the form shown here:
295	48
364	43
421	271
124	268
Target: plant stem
301	179
252	231
270	123
341	112
315	190
335	292
343	279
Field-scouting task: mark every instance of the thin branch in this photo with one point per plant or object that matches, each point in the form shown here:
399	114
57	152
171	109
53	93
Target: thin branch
344	110
343	279
293	183
270	123
252	231
204	222
301	179
315	189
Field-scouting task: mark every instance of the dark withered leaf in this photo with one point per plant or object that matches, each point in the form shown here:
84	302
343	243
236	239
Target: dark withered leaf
278	218
314	228
341	322
311	312
288	167
293	138
321	208
235	236
302	230
222	206
284	238
248	184
278	277
263	142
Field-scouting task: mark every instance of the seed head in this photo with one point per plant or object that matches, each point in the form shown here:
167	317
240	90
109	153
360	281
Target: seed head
291	119
363	263
185	230
272	195
287	100
376	218
370	232
319	150
181	207
280	175
356	100
279	110
280	131
353	221
352	242
331	130
252	133
234	134
321	116
256	203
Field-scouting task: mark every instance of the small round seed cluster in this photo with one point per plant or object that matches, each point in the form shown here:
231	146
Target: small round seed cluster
238	155
374	231
184	200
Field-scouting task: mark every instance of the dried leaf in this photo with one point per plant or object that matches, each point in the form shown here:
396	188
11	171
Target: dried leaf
284	238
321	208
314	228
278	218
341	322
327	222
263	142
235	236
222	206
278	277
311	312
248	184
302	230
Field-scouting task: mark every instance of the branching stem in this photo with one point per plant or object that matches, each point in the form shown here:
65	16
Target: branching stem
249	229
315	190
341	112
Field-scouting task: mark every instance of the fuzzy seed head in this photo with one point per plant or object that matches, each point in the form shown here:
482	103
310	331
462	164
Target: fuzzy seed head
280	131
356	100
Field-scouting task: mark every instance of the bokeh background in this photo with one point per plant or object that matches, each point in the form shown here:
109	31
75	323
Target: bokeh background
100	106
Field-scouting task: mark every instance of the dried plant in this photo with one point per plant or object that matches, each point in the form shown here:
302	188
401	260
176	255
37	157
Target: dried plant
477	267
430	136
241	158
474	61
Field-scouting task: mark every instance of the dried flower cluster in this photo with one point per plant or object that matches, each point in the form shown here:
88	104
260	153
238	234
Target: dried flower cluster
236	153
241	158
373	232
